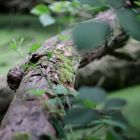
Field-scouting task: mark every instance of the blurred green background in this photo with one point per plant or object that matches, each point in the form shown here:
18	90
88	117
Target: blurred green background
17	26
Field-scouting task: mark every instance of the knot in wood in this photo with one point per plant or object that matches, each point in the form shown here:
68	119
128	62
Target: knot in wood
14	77
35	57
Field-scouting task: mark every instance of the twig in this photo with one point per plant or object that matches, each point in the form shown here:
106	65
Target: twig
108	47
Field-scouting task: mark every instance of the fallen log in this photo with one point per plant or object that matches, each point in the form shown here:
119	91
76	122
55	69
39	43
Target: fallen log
52	65
34	82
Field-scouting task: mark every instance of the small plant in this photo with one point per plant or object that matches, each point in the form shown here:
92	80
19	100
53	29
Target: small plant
17	46
93	116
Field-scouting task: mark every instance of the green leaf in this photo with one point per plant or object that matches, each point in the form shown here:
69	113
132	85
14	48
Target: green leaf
111	135
53	102
114	103
117	117
59	128
46	20
95	95
137	3
92	2
129	22
80	116
61	90
40	9
37	92
88	104
138	17
34	48
62	7
91	34
13	46
113	123
116	3
131	110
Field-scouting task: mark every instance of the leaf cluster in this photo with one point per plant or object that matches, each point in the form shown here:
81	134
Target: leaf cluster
91	34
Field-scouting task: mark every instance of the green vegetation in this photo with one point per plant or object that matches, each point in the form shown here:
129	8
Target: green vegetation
21	136
131	110
17	27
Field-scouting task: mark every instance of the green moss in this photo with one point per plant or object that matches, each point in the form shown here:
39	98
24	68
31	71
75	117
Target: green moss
66	68
21	136
63	37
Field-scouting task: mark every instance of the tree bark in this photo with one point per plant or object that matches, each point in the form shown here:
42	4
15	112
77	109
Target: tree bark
6	96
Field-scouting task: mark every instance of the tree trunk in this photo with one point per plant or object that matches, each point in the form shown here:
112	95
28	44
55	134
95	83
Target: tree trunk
52	65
